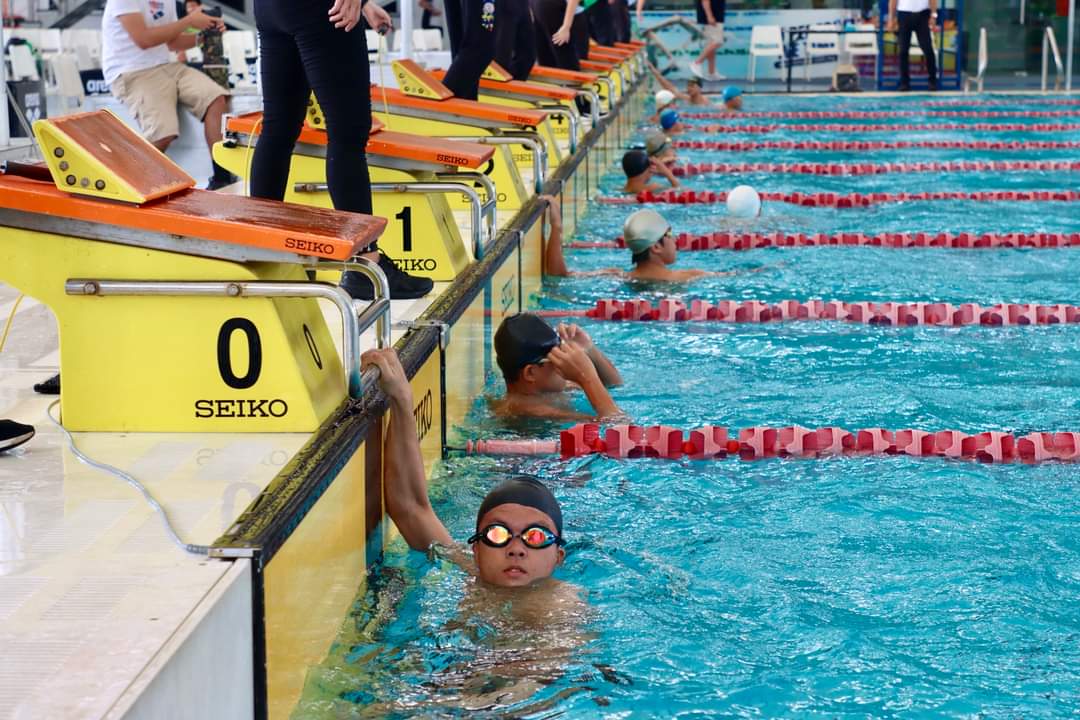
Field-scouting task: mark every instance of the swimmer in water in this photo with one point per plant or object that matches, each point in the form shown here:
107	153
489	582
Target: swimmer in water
664	99
669	122
647	235
659	148
541	364
693	95
510	558
640	169
732	97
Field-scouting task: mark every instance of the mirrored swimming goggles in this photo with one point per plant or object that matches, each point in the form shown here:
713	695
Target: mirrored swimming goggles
536	537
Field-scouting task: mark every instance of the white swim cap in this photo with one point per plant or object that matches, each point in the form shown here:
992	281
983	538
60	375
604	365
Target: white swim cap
744	202
643	229
664	97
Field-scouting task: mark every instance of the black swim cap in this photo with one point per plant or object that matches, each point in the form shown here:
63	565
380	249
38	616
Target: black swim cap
521	340
522	490
635	162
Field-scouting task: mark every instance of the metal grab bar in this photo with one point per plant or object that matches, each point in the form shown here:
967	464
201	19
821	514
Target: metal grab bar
489	208
375	274
1049	43
984	60
475	203
533	142
594	105
571	120
352	326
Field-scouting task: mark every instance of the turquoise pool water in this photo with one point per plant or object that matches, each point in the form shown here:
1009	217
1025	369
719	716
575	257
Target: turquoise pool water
847	587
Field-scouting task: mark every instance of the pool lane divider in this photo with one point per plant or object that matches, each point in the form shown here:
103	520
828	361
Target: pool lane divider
861	145
760	442
876	114
867	313
850	200
686	242
854	169
905	127
1012	102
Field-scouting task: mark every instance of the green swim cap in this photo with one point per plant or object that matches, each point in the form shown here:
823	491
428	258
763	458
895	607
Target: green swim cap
643	229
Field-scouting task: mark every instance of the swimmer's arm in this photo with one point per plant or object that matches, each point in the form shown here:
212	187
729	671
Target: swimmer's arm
554	260
667	84
407	501
662	169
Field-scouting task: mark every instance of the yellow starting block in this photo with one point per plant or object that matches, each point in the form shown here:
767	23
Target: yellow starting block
415	180
180	310
522	134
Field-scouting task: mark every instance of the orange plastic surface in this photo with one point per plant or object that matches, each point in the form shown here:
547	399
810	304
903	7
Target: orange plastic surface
602	51
601	65
233	219
532	89
390	144
540	72
454	106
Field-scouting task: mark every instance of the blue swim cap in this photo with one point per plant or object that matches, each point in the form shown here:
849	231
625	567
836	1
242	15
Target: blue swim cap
731	92
668	118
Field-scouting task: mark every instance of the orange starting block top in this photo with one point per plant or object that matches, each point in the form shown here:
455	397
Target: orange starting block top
543	72
601	65
201	215
498	114
540	91
387	143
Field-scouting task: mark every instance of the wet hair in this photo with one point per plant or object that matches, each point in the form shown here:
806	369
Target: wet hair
694	81
522	339
638	258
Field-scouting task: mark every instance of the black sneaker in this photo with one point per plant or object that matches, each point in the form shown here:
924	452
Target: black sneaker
933	85
13	434
904	87
49	387
403	286
217	183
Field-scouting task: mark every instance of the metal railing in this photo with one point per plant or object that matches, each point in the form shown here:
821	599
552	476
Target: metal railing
984	61
1049	45
531	141
353	324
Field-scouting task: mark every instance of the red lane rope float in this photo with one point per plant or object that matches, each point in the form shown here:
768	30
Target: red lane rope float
859	145
852	200
759	442
955	166
963	240
1018	101
865	312
878	114
910	127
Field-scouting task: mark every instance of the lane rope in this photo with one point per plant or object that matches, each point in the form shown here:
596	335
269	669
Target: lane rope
954	166
852	200
860	145
876	114
759	442
960	102
686	242
901	314
911	127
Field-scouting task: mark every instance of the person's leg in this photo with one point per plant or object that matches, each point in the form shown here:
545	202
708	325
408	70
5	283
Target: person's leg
601	26
579	36
506	32
525	55
476	51
922	33
905	22
621	11
208	101
151	95
453	12
285	92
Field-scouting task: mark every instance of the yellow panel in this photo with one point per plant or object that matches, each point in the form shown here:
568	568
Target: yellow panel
532	262
495	71
310	583
198	364
427	410
315	117
414	80
465	364
505	290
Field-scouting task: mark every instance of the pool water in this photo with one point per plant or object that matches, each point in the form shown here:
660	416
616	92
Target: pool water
843	587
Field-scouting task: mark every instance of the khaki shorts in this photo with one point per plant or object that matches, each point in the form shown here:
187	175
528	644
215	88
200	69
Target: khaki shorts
714	33
151	96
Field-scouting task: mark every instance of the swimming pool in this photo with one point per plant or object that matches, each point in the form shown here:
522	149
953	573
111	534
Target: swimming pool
872	586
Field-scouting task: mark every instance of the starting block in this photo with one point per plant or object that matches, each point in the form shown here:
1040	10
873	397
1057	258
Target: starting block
453	118
178	309
564	118
601	85
415	182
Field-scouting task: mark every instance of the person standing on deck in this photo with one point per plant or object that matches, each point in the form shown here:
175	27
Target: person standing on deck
906	16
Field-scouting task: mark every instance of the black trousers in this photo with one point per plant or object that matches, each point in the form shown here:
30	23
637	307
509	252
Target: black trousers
919	23
471	25
548	17
301	51
620	13
515	39
601	23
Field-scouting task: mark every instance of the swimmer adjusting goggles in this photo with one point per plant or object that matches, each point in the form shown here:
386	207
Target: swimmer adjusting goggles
498	535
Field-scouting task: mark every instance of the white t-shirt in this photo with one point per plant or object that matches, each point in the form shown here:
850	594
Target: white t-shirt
912	5
119	53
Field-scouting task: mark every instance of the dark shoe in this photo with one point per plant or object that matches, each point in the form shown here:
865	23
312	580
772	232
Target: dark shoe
933	86
13	434
216	183
49	387
904	87
403	286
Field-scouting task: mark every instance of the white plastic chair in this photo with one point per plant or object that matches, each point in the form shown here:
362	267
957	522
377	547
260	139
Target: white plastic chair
863	44
819	44
239	46
372	38
66	79
765	41
422	40
86	44
23	66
